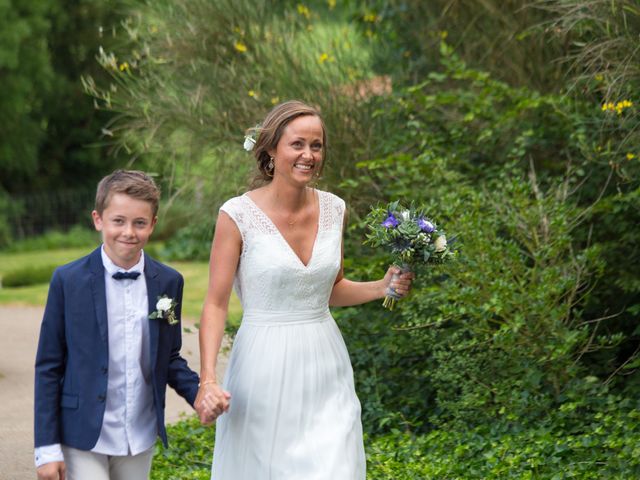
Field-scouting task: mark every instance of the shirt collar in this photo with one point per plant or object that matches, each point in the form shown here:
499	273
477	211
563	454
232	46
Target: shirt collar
112	268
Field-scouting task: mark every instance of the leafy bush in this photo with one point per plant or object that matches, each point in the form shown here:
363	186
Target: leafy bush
522	313
192	242
591	435
28	276
497	330
582	439
189	454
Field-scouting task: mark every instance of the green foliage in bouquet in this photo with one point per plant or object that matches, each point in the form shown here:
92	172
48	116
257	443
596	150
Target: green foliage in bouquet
408	234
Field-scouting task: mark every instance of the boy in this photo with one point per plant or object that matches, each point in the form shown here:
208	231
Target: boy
108	347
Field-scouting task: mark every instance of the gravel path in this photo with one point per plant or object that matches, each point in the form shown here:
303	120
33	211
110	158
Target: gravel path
18	342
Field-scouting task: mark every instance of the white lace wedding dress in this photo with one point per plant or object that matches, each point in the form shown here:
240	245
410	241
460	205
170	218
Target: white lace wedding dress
294	413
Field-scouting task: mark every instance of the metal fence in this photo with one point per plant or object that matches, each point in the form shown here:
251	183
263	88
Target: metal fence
36	213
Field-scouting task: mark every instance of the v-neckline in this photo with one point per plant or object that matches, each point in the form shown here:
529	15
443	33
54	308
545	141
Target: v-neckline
284	240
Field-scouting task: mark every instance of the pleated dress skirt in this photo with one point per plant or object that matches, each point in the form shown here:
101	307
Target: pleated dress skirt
294	412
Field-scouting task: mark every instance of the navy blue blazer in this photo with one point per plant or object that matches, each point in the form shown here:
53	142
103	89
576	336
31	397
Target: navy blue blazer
72	360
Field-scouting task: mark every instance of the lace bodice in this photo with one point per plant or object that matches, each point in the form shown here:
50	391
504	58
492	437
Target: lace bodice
270	275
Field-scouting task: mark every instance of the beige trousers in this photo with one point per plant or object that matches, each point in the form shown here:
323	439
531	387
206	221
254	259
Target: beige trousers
86	465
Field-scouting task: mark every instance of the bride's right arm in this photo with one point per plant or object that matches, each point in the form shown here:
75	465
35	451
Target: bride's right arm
225	255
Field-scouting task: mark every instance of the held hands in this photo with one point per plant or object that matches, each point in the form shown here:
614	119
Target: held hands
52	471
211	402
398	281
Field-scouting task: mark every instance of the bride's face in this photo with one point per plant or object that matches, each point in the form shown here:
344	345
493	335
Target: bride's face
298	155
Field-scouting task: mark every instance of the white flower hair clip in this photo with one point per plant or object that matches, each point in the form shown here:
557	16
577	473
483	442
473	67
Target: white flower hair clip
251	137
249	143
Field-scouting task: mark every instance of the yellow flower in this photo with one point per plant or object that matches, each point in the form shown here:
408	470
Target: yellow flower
630	156
304	11
154	29
124	66
274	100
251	93
444	34
618	107
370	18
240	47
323	58
599	78
332	4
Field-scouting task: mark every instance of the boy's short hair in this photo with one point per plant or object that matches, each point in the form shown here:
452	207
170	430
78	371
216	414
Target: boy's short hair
133	183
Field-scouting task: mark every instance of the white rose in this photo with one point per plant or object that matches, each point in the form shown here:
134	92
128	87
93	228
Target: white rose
440	243
249	143
163	304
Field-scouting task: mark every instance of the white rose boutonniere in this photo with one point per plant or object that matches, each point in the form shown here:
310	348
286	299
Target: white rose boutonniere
166	309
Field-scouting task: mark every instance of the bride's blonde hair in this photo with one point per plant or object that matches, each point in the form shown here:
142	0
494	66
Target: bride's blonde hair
269	133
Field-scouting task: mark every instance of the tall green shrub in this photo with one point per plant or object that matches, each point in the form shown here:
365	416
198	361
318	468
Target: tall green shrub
499	331
511	327
193	75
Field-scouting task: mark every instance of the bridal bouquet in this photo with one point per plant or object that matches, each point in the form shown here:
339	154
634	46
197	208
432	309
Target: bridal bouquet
410	236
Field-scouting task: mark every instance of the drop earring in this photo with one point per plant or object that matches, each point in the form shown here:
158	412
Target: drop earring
270	167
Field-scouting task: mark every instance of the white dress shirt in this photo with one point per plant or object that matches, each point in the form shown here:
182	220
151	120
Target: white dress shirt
129	426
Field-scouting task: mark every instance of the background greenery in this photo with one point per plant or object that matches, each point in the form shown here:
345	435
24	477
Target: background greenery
515	122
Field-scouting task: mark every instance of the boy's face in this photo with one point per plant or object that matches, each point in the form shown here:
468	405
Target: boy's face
126	225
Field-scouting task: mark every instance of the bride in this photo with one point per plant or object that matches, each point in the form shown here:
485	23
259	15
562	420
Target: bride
289	397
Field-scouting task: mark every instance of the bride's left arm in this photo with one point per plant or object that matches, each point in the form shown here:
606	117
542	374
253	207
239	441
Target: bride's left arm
346	292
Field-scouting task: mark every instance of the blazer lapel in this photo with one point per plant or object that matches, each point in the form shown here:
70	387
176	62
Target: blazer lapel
153	292
98	292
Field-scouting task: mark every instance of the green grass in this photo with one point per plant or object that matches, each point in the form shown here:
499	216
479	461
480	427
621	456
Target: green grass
12	261
33	294
196	277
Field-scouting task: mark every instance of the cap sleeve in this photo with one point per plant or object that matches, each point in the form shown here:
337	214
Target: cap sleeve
336	208
234	208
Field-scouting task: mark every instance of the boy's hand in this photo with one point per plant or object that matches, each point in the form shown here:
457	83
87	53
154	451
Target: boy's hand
211	402
52	471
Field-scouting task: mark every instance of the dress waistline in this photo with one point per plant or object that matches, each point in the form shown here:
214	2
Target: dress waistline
266	318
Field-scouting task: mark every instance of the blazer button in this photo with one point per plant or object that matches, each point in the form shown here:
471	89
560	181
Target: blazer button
101	398
104	370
